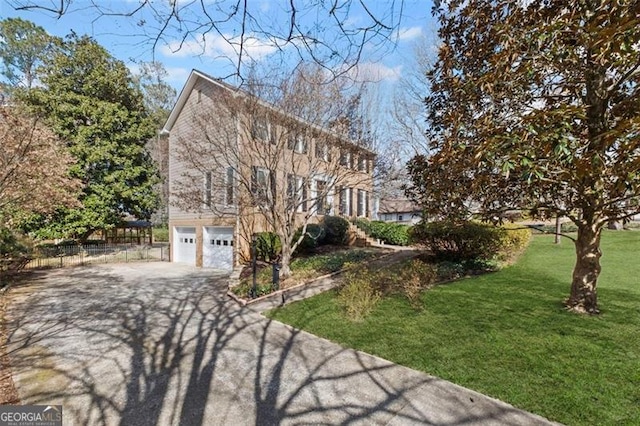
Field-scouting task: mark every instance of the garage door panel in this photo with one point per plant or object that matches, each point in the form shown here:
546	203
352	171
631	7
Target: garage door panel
217	248
184	245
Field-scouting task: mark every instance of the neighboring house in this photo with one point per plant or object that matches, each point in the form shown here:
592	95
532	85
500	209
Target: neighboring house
399	211
233	158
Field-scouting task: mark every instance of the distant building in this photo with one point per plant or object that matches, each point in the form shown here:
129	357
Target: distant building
399	211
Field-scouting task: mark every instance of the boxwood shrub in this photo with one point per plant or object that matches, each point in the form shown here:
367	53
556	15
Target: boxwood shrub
469	241
336	230
387	232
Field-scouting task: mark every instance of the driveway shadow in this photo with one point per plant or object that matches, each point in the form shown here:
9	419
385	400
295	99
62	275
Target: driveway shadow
138	346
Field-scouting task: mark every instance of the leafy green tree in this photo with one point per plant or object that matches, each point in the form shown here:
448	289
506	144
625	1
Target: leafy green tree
159	98
23	47
536	105
158	95
90	101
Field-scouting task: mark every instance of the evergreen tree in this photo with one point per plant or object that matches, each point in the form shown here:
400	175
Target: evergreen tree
91	101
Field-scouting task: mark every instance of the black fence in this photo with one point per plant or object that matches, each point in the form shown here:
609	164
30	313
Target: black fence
55	256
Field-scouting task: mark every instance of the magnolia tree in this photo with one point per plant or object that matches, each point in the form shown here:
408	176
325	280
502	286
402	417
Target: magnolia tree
273	165
34	168
536	105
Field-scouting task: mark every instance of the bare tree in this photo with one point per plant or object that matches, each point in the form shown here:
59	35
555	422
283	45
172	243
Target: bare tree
326	33
274	166
34	168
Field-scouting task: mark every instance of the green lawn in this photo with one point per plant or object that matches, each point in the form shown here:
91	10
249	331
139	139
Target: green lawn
506	334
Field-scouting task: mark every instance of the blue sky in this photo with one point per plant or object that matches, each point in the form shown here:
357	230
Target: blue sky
132	39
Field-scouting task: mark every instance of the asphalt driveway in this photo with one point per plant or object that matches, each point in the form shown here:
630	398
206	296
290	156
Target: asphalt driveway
159	343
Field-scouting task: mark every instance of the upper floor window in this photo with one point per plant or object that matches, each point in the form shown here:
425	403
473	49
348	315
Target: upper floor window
263	184
229	186
297	143
322	151
362	163
261	130
208	187
345	158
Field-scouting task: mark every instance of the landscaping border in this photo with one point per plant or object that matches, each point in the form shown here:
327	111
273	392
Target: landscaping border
299	291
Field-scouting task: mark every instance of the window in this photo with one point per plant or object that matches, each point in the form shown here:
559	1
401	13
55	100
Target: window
260	129
297	192
399	218
297	143
206	199
345	201
362	163
322	202
362	202
229	185
262	184
345	158
322	151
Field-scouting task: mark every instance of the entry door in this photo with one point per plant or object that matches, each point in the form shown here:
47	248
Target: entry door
217	248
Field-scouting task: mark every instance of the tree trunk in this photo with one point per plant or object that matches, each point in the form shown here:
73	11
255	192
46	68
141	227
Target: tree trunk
285	269
558	230
584	296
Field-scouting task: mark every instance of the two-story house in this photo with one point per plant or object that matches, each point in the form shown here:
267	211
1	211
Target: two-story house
239	166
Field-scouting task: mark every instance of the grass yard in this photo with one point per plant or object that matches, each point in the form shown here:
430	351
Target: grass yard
506	334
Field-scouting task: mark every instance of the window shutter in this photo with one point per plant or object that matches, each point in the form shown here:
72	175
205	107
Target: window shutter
304	195
272	182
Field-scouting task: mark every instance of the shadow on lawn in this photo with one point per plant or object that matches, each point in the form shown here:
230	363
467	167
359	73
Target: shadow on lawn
178	352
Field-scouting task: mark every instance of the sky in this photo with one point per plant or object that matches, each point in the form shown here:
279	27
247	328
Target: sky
191	42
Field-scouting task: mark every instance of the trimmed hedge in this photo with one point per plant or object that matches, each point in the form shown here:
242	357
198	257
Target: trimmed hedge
336	229
389	233
469	241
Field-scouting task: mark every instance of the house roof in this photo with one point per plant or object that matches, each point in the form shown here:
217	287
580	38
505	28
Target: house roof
398	206
191	82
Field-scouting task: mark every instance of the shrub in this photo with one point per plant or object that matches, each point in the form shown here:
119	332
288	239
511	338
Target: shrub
268	246
389	233
161	234
336	229
15	252
408	280
513	242
314	237
357	296
460	241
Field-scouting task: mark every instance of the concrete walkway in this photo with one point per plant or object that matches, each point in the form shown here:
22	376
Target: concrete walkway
160	344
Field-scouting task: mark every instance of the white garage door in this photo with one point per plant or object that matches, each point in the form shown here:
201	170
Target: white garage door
184	245
217	248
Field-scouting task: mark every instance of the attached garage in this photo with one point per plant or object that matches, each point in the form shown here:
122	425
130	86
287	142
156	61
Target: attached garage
217	248
184	244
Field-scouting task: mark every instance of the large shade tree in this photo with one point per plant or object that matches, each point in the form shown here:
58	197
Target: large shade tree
90	101
536	105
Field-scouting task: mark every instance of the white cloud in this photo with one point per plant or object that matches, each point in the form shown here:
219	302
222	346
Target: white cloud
409	33
220	47
177	74
374	72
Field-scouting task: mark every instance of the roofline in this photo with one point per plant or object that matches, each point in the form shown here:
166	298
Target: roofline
191	82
